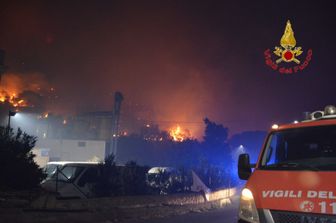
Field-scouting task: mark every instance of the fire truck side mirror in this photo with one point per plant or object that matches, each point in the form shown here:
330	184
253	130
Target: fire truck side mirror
244	166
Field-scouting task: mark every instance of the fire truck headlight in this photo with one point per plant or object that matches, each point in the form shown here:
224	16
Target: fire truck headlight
247	208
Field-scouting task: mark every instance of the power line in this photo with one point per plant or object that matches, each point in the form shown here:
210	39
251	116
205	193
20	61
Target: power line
194	122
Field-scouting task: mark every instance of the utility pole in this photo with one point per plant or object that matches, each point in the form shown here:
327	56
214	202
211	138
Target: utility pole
10	114
118	98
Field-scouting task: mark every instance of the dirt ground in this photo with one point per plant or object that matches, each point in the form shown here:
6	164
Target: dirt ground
153	214
18	210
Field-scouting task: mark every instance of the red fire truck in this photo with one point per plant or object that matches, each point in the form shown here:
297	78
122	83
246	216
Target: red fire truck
294	179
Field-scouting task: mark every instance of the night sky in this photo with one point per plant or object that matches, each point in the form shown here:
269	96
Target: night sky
181	60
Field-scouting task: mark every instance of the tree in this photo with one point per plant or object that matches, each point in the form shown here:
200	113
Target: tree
17	167
215	146
215	135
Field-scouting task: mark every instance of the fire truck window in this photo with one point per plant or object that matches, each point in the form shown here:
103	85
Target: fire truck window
313	146
270	153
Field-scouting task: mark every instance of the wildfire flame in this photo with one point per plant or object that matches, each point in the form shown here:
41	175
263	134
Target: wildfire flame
13	85
178	134
12	99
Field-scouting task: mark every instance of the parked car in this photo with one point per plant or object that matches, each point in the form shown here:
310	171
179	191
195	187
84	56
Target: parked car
71	179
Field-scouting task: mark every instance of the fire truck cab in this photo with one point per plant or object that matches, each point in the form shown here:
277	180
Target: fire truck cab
294	179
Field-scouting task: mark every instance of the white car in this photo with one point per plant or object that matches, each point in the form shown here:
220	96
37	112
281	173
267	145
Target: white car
71	179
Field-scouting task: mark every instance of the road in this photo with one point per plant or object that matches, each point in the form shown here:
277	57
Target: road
223	215
170	214
226	214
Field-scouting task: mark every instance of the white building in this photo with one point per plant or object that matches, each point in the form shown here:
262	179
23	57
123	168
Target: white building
68	150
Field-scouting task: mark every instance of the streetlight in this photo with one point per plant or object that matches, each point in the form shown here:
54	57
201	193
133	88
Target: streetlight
10	114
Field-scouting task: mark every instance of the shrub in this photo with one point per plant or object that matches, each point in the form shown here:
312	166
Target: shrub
134	179
109	179
17	167
121	180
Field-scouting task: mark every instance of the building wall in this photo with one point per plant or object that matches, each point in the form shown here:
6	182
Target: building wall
69	150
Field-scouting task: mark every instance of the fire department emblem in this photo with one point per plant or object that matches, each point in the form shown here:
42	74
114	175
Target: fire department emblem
287	53
307	206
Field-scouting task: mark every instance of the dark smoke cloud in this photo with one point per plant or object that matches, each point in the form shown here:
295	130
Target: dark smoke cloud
181	60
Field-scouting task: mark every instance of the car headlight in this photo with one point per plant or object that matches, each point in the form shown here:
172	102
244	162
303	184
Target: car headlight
247	209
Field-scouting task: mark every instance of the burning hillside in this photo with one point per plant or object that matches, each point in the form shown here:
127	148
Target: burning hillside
28	90
178	134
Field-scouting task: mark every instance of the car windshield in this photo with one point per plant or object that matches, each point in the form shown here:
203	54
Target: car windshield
50	170
68	173
309	148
